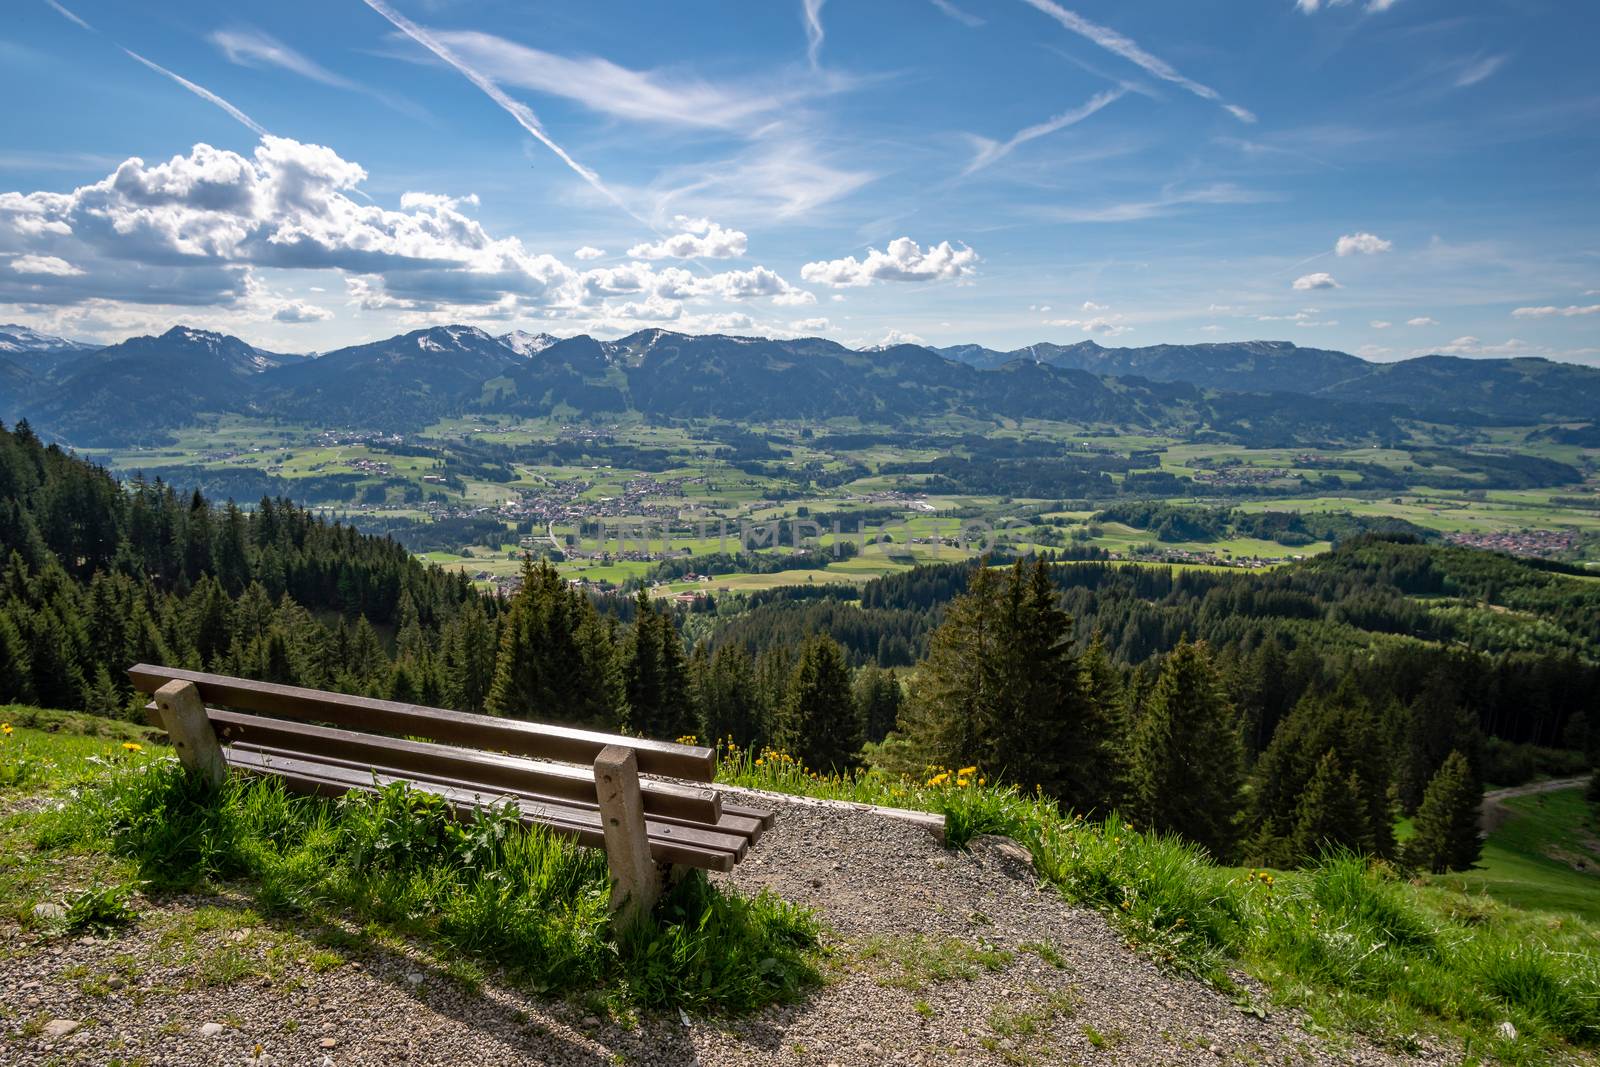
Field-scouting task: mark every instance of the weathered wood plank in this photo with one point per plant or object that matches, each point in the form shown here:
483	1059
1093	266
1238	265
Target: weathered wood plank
183	714
635	878
693	763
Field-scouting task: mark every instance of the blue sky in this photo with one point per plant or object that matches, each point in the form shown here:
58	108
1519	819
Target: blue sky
1386	177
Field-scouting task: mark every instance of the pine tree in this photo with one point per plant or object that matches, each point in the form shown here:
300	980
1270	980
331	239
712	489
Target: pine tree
655	675
16	672
878	697
728	697
1186	754
468	658
1447	836
818	724
557	659
1331	814
1098	773
1001	687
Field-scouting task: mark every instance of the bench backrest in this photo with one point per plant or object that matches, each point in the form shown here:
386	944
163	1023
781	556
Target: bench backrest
692	763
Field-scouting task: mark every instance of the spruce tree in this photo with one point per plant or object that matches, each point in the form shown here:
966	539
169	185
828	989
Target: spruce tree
557	660
1186	754
1447	836
1331	813
655	676
818	724
878	697
728	697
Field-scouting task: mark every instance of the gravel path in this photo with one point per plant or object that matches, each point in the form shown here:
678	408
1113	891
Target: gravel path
938	957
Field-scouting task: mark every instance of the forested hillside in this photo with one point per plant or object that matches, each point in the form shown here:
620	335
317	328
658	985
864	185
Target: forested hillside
1208	703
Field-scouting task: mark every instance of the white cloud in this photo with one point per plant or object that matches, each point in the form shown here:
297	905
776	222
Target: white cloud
1471	346
203	93
701	239
1212	328
812	10
899	337
1090	305
1240	113
1570	311
1422	320
1128	49
1364	244
1372	351
518	111
989	151
1380	324
52	265
1170	198
588	252
904	261
252	48
1108	325
654	97
1479	69
965	18
1319	280
300	311
811	325
60	10
1311	7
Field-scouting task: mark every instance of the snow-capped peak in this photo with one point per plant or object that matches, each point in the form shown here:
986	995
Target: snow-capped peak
527	344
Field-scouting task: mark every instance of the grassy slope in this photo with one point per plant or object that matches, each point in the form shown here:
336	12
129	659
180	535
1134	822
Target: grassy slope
1522	865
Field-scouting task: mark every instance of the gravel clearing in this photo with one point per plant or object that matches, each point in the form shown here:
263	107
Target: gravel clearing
937	957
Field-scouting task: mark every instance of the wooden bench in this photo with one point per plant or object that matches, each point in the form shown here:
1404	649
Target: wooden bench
580	783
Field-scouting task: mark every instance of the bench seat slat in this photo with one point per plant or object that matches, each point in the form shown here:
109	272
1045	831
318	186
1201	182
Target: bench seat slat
668	844
572	745
562	780
750	830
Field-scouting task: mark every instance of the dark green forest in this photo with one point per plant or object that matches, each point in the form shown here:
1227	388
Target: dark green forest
1266	716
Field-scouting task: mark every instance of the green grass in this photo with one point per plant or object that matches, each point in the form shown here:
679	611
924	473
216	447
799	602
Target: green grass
1356	944
491	891
1530	860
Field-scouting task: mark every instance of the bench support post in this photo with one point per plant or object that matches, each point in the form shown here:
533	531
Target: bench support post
184	714
635	882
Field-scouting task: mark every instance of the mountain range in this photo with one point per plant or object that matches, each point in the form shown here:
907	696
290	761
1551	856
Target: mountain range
1252	391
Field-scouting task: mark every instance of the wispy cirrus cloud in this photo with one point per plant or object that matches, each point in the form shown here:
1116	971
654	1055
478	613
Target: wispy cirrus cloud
64	13
1128	49
812	11
990	151
610	89
519	111
252	48
198	90
203	93
1570	311
1172	198
965	18
1479	69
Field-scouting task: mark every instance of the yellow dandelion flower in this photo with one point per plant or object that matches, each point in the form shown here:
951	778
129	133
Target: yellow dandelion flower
133	746
5	728
966	772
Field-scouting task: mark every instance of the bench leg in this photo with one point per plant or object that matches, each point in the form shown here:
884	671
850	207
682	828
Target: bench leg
635	881
184	715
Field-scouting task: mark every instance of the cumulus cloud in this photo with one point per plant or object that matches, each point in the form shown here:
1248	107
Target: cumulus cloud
1472	346
1108	325
1422	320
589	252
1380	324
898	337
811	325
1361	244
903	261
1570	311
1319	280
190	232
300	311
53	265
700	239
